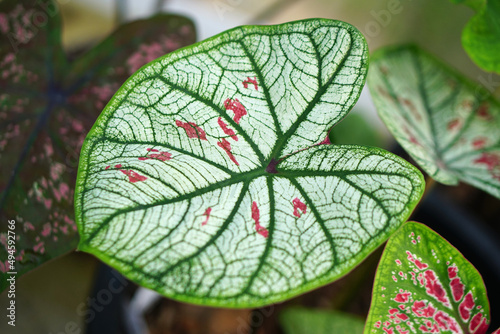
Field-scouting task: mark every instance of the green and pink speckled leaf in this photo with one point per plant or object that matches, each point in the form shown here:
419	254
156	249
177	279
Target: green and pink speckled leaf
450	126
47	106
424	285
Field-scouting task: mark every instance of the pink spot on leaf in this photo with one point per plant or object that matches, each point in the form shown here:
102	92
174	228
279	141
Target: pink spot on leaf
478	324
454	124
434	287
192	130
256	216
413	259
483	112
479	143
251	81
466	306
238	109
46	230
388	330
298	205
133	176
411	137
27	226
227	131
492	161
445	322
207	216
409	104
420	310
452	272
39	248
226	146
162	156
457	289
402	297
326	141
47	203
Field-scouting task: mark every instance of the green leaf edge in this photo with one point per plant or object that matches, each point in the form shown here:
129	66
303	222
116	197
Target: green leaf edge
484	94
96	131
425	227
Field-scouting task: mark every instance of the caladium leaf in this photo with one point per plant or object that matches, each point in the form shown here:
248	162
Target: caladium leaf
47	105
307	321
196	180
424	285
481	35
449	125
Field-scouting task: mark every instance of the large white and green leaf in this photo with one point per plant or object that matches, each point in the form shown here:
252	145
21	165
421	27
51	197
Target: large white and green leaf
449	125
194	181
424	285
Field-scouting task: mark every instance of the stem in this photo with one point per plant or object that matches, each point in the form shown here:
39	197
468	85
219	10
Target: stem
430	183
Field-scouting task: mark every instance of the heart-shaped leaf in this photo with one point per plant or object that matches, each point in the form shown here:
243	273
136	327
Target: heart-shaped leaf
305	321
481	35
196	182
47	105
449	125
424	285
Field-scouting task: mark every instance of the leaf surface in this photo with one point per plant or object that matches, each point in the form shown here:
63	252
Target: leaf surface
307	321
424	285
194	181
47	105
449	125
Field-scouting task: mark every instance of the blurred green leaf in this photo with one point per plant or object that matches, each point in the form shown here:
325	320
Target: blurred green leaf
449	125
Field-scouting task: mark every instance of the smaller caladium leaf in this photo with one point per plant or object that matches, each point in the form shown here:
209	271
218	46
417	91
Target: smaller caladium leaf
424	285
449	125
307	321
